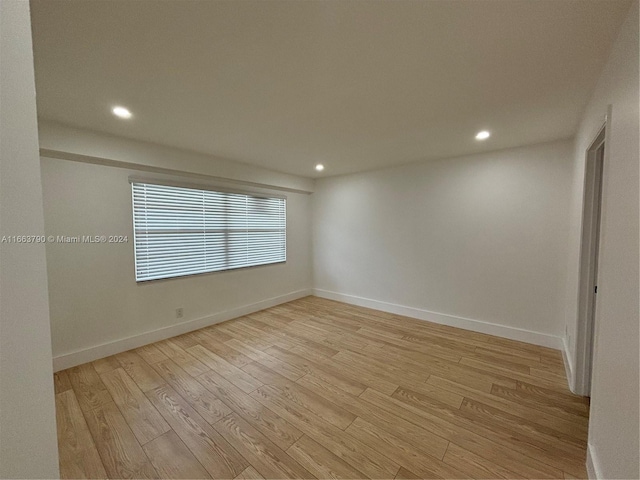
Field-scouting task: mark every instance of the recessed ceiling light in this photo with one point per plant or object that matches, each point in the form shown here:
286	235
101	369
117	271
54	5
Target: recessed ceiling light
319	167
121	112
483	135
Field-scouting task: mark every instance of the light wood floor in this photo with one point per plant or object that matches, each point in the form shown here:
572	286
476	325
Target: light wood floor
316	388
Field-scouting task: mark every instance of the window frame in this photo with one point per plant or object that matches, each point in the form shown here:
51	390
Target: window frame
206	187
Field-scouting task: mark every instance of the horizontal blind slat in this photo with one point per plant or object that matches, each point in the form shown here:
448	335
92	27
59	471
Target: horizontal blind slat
184	231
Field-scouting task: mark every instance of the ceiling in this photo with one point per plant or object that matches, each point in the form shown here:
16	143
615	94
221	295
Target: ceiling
355	85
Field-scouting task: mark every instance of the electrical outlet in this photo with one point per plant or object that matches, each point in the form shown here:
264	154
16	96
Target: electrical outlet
179	312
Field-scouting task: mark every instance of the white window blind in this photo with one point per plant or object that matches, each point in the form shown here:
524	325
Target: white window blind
184	231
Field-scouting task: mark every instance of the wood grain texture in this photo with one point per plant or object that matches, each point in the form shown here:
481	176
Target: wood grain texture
278	430
88	387
265	374
201	399
317	388
78	456
215	453
266	457
404	474
403	452
232	355
355	452
144	420
317	404
239	378
424	440
324	368
121	453
140	371
249	473
187	362
286	370
320	461
474	465
172	459
484	446
106	364
151	354
576	430
61	382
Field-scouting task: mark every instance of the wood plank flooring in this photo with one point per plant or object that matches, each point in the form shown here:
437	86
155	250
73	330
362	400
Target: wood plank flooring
320	389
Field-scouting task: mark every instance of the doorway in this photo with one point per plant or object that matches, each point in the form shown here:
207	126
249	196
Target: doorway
588	298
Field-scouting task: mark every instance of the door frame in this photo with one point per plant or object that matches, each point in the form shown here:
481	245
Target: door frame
590	239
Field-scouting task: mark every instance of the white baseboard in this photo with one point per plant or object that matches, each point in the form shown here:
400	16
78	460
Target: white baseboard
568	365
79	357
593	467
511	333
90	354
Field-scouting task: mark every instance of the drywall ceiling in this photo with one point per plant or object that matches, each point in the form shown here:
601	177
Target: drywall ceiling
355	85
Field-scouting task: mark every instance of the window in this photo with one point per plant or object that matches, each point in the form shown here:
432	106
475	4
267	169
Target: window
184	231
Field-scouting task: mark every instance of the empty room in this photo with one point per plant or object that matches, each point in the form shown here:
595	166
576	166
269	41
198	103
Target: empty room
268	239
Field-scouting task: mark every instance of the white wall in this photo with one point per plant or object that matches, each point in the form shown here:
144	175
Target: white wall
28	444
481	237
613	430
61	141
94	298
